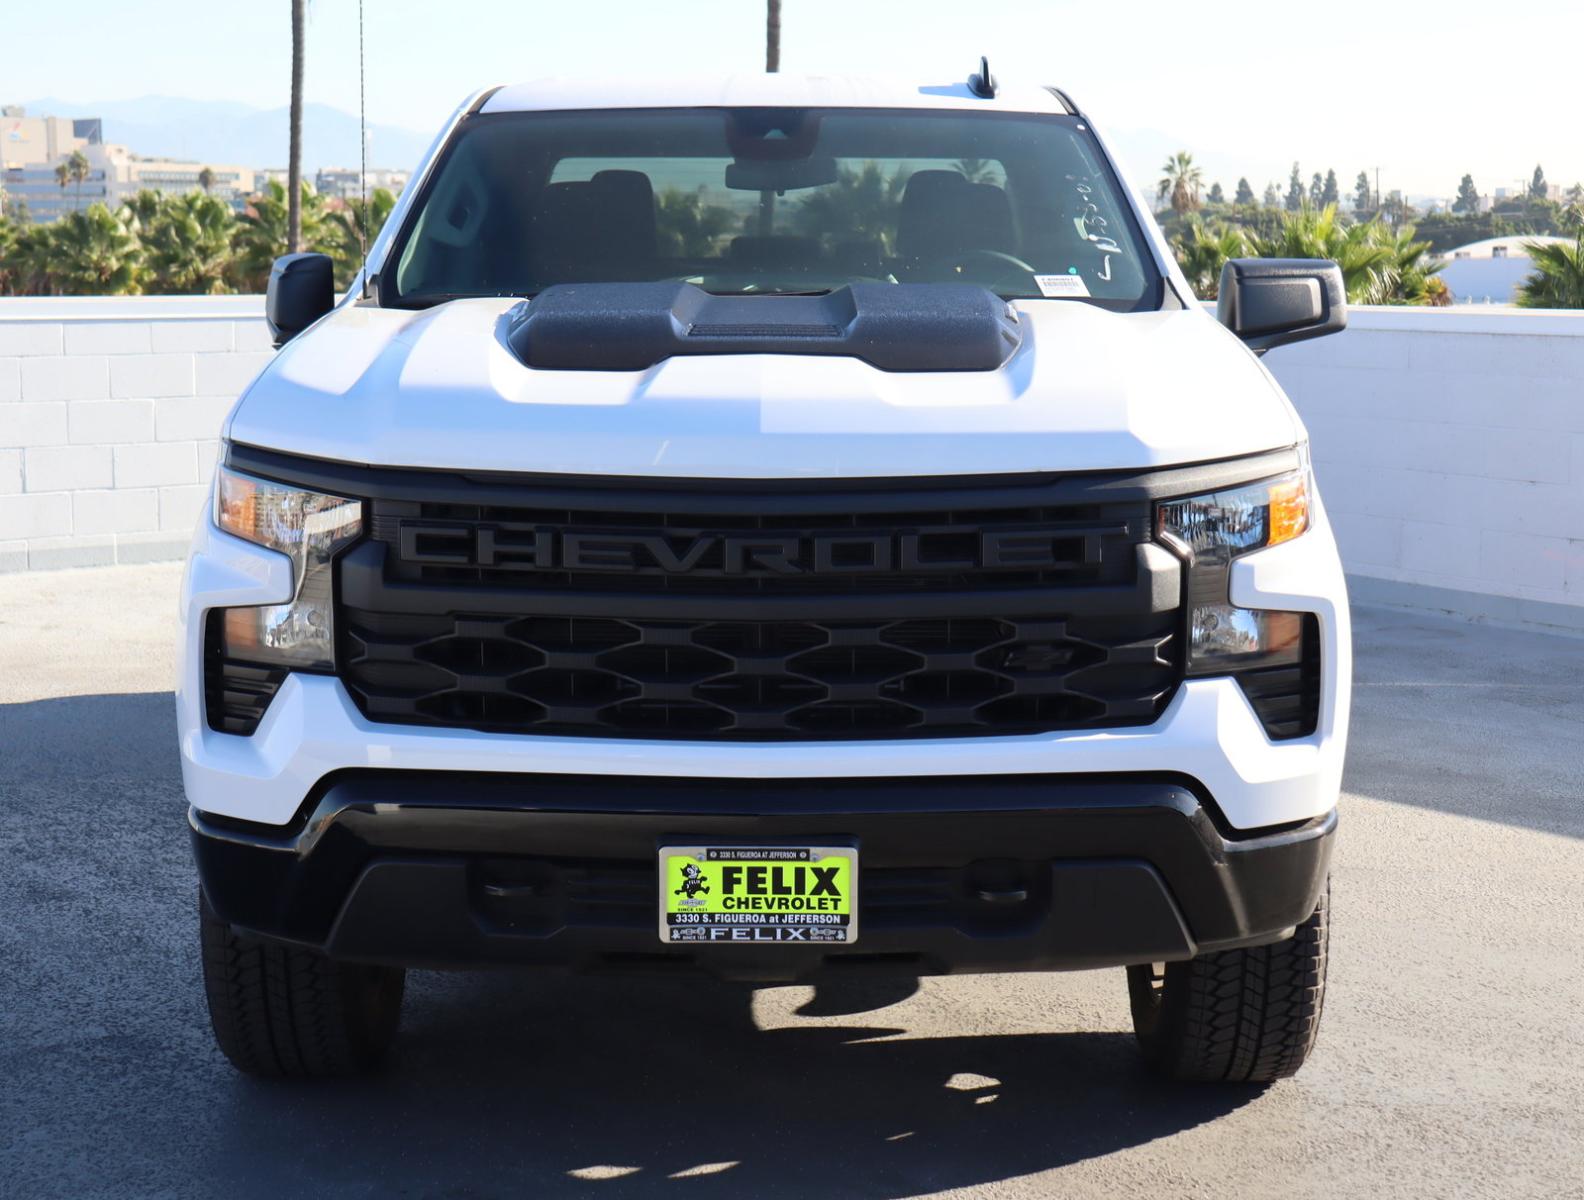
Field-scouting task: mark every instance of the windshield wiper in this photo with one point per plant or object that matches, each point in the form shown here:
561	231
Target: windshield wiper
430	299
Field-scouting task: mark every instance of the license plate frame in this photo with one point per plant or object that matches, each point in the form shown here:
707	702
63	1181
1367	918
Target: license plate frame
780	904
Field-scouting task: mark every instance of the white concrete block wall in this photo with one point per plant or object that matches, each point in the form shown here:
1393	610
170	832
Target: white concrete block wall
1449	445
110	410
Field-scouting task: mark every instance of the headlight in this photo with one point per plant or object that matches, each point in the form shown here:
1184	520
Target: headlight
1221	525
307	527
1212	530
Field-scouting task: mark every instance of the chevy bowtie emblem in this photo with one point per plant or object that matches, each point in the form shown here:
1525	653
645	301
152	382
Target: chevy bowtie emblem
1037	657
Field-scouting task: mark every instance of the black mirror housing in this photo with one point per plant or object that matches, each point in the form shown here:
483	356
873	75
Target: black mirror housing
301	290
1270	302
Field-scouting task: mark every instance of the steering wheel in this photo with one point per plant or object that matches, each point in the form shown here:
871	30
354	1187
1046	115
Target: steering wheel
997	260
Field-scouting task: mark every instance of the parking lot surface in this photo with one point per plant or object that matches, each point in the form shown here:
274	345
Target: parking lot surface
1450	1063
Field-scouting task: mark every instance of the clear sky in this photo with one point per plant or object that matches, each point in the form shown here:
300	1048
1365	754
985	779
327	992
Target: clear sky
1425	91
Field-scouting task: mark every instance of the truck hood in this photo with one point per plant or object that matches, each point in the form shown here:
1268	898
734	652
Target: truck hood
1087	389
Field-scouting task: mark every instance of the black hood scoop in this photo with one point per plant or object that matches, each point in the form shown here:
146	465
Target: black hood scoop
895	327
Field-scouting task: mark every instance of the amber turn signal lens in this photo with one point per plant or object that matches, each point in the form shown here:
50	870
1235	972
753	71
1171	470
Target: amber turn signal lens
1289	508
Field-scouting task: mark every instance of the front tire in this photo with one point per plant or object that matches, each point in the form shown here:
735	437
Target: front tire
284	1012
1237	1016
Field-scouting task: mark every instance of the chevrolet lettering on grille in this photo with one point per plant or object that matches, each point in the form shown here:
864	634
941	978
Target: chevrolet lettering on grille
520	548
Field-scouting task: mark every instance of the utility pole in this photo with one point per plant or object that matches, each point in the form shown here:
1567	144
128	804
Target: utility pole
772	36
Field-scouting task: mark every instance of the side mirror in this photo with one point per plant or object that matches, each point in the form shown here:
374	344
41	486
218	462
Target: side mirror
1269	302
301	290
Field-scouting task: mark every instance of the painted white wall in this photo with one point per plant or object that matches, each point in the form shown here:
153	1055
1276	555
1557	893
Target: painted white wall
1449	443
110	411
1449	446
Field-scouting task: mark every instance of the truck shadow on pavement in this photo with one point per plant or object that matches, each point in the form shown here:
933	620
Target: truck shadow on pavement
520	1085
503	1084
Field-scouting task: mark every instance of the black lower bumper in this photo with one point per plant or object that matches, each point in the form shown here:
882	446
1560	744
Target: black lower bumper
956	874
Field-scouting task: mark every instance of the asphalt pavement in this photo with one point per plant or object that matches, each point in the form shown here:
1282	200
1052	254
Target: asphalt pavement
1450	1061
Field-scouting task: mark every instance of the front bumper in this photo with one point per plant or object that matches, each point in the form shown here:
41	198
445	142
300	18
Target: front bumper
1031	872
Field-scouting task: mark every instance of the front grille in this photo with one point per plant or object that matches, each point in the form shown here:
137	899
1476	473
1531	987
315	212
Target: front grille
757	678
963	609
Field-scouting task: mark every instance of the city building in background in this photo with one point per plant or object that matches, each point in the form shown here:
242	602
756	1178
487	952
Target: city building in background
32	148
343	183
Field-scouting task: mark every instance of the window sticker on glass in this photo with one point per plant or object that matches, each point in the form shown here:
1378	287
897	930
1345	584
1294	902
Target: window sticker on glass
1052	286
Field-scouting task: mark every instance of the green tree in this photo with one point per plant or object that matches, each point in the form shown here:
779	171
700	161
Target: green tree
1558	278
862	205
1467	197
1362	197
1379	265
1245	194
1316	190
1575	194
1272	196
1329	193
30	260
188	245
349	229
8	241
262	233
1537	185
1295	191
1216	196
206	179
93	254
687	227
141	209
978	170
1203	249
77	168
1180	183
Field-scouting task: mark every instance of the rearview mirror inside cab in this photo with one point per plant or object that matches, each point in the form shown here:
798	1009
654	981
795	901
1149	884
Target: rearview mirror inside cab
301	290
1270	302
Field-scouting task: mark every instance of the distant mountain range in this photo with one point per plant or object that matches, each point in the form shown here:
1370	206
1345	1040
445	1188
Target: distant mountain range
227	132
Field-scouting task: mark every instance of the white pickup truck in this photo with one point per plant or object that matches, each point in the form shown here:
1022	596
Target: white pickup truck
768	526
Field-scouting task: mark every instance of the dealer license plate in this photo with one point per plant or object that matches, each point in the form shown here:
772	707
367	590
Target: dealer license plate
730	895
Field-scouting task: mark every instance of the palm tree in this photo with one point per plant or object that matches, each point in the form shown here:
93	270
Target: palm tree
206	179
8	245
188	244
1311	233
93	253
1203	249
31	261
262	232
294	154
350	228
772	36
1380	265
1180	182
77	167
62	176
1558	279
862	206
977	170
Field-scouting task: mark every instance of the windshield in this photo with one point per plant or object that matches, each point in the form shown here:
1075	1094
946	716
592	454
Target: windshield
746	201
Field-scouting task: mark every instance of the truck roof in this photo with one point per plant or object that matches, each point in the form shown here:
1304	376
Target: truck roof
767	91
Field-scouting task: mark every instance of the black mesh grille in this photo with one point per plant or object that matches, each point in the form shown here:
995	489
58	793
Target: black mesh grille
765	615
758	678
